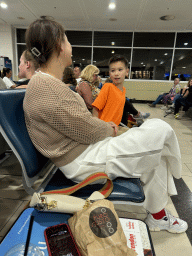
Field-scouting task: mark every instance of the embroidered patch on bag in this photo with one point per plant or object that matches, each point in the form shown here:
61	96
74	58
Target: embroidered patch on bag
102	222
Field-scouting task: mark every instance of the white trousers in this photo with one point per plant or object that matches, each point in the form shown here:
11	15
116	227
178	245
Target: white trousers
150	152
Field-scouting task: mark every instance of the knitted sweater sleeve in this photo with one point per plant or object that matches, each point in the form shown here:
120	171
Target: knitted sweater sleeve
71	117
65	112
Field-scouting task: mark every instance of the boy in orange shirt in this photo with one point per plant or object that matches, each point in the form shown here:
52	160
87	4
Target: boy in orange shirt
110	102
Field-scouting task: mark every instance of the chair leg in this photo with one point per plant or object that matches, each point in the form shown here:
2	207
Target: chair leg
4	156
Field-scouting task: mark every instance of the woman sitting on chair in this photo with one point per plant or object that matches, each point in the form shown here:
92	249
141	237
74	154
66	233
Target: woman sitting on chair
6	75
61	128
185	100
86	87
166	96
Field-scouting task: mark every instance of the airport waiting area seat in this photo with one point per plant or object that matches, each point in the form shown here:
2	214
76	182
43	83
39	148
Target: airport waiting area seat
36	167
2	85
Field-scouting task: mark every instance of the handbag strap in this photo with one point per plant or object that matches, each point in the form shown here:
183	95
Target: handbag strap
105	190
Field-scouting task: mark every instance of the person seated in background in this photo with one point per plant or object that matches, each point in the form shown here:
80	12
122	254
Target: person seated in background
166	96
77	72
177	96
6	75
69	78
80	144
2	85
86	87
180	95
27	68
185	100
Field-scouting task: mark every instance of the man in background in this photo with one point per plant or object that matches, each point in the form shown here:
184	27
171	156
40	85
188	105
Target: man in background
77	72
27	68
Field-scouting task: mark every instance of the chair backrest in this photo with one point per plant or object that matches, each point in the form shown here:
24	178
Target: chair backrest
2	85
12	122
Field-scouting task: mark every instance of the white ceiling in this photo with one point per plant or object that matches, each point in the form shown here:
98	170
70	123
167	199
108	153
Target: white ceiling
131	15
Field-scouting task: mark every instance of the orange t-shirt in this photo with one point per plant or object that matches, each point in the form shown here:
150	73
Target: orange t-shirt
110	103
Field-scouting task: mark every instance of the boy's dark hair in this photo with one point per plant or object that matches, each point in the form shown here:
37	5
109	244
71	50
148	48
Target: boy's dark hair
118	57
43	37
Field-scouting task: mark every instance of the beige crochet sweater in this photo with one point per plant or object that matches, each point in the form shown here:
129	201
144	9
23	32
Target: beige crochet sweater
58	122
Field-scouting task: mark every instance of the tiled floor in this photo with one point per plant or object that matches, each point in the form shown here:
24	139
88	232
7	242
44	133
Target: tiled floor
13	198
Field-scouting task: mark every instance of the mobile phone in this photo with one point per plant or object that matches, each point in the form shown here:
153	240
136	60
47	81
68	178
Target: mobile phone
60	241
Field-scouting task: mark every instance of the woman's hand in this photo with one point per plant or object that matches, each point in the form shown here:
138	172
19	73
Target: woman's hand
115	127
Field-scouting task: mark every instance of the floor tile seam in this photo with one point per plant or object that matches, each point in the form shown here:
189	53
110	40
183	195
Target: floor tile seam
186	175
184	165
12	221
13	213
181	209
14	199
188	167
12	175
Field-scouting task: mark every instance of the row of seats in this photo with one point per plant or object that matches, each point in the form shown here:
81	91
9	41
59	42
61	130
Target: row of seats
34	164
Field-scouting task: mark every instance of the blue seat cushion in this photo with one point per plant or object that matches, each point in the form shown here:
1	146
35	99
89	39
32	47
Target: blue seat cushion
124	189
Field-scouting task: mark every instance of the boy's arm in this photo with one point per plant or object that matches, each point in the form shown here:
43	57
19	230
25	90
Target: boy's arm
95	112
101	99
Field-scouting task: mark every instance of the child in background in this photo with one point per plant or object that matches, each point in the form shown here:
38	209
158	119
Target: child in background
69	78
110	102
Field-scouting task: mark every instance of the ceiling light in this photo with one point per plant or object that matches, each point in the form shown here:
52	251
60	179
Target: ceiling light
183	67
141	62
155	59
112	6
182	57
143	65
3	5
113	52
83	59
74	61
167	17
112	43
166	53
161	62
94	61
185	43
